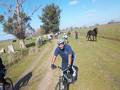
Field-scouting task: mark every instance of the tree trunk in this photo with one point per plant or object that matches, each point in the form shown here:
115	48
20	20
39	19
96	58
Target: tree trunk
22	44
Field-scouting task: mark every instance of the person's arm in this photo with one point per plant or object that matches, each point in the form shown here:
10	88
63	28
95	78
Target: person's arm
53	66
69	59
56	52
69	56
54	59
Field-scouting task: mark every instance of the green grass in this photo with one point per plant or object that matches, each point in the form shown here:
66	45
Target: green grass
110	30
99	64
4	44
40	69
17	69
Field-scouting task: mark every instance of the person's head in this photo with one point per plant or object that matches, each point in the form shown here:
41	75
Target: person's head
60	44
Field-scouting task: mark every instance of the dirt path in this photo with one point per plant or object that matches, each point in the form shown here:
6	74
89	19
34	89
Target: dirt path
46	82
30	69
30	75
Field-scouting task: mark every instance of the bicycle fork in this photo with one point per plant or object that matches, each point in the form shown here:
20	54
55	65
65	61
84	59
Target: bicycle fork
68	79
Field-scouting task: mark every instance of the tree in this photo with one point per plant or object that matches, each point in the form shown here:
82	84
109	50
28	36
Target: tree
50	18
11	25
17	23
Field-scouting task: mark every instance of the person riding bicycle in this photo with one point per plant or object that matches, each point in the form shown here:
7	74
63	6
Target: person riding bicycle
65	38
67	55
2	70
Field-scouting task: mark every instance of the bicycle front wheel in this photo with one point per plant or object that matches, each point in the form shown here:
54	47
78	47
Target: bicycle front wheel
8	84
62	86
57	86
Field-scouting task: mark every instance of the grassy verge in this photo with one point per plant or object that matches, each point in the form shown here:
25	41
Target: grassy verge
17	69
40	70
98	64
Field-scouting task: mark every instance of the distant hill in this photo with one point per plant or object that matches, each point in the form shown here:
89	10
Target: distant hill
113	22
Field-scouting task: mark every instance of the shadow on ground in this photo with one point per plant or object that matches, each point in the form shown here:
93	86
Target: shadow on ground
23	81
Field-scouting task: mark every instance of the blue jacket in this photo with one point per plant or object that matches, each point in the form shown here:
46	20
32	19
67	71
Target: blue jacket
64	54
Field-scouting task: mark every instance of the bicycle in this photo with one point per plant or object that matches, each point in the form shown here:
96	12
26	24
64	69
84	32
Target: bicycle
6	84
64	80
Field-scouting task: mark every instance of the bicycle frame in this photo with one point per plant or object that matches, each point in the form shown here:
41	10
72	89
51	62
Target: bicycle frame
64	75
63	83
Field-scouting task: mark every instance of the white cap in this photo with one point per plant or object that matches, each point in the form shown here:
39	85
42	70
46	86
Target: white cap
60	41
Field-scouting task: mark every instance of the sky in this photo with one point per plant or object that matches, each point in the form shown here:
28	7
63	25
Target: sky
74	13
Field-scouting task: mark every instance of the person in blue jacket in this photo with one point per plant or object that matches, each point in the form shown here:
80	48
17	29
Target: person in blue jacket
67	55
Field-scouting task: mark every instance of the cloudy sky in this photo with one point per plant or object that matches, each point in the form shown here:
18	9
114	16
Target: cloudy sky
73	12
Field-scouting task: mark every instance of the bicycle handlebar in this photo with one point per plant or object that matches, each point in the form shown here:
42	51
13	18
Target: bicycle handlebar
61	68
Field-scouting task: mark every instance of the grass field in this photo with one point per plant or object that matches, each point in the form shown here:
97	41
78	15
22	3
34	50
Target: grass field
98	64
23	64
4	44
111	31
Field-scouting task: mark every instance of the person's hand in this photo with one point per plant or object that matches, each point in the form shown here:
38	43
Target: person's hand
53	66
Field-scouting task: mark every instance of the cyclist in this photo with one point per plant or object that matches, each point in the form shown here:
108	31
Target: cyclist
2	70
65	37
67	55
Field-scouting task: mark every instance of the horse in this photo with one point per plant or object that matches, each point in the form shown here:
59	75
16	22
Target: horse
92	34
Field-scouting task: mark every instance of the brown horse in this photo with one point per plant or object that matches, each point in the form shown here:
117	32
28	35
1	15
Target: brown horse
92	34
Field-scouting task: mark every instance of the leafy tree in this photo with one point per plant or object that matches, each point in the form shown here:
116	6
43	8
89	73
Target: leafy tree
17	23
50	18
12	26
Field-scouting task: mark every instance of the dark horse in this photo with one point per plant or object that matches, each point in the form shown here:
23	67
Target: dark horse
92	34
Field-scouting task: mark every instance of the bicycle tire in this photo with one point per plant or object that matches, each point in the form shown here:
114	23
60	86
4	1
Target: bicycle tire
60	87
67	87
9	84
